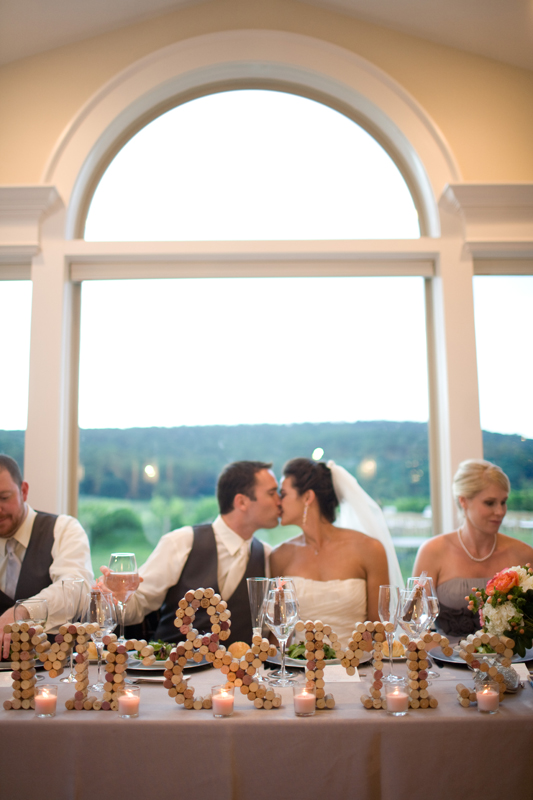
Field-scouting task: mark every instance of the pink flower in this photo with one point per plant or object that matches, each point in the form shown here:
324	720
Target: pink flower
503	581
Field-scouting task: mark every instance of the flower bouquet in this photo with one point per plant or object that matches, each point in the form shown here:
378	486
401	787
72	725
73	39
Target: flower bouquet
506	606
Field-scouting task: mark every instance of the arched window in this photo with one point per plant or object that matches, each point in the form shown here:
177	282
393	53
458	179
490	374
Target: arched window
251	165
314	352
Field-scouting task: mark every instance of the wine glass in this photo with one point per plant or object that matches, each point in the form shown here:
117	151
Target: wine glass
123	580
425	581
34	612
100	611
281	615
257	588
72	600
413	616
388	607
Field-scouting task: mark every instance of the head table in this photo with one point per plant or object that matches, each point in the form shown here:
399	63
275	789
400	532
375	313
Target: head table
345	752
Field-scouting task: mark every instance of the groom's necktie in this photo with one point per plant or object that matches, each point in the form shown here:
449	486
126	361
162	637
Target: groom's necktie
236	571
12	569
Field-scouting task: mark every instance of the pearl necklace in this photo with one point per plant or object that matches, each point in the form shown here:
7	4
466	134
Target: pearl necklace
469	554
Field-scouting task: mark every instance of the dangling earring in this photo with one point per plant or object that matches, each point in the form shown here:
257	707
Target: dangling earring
304	520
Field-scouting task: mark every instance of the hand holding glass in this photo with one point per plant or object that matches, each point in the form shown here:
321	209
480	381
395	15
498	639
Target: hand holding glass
34	612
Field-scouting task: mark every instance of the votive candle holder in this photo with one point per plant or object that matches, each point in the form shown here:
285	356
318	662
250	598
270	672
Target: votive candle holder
222	698
45	700
487	696
129	701
397	698
304	699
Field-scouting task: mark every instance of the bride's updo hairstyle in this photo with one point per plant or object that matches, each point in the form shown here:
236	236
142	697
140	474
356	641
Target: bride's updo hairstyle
475	475
315	475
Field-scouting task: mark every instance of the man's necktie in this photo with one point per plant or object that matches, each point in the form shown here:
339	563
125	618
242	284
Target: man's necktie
13	568
236	571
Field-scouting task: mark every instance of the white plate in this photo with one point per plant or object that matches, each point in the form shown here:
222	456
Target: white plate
135	664
301	662
455	658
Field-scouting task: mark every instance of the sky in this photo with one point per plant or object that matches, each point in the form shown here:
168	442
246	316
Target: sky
247	165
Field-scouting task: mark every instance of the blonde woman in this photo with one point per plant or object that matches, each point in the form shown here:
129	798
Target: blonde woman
469	556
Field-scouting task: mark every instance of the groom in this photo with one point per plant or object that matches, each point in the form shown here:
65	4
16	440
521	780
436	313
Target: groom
220	555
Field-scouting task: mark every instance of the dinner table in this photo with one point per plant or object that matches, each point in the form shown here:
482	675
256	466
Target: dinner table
257	754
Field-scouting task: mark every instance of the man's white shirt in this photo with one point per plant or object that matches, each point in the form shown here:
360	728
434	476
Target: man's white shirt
71	558
164	566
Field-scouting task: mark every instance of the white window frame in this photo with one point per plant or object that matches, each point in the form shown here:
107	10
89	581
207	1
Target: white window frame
467	229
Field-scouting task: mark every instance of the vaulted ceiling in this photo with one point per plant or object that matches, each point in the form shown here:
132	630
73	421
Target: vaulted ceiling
499	29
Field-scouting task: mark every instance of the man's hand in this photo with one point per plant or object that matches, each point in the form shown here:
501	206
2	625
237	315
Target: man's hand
7	618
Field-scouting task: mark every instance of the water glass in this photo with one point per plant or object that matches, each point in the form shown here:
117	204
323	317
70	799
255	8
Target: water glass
257	589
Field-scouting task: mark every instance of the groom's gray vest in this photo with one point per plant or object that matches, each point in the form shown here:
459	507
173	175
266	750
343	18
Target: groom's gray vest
201	570
35	570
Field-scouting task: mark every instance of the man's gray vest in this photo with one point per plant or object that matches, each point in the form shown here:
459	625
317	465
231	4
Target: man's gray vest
35	570
200	570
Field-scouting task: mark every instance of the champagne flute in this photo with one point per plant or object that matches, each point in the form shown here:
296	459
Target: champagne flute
100	611
281	615
72	599
388	607
123	580
257	588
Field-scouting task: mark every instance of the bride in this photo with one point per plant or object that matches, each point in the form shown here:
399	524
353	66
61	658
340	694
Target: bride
337	569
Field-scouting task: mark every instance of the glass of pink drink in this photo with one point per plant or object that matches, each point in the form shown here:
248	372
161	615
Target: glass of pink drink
123	580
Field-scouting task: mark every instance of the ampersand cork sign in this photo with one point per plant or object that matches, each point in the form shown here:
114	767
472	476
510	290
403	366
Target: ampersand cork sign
240	672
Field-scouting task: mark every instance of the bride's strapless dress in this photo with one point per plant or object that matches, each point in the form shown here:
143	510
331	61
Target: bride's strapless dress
339	603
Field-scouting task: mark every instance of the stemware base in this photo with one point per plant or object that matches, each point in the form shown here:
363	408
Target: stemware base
277	678
391	679
69	679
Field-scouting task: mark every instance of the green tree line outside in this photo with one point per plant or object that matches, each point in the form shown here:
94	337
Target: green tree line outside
187	460
122	509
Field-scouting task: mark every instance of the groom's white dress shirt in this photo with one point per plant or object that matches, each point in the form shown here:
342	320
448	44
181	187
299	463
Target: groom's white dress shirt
164	566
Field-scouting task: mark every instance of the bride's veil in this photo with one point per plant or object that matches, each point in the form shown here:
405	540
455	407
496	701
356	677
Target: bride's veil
359	512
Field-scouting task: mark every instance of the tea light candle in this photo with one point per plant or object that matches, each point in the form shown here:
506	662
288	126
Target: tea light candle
397	701
128	702
488	700
46	701
222	699
304	702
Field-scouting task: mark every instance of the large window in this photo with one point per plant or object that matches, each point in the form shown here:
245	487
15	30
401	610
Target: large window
179	377
15	324
257	368
504	343
251	164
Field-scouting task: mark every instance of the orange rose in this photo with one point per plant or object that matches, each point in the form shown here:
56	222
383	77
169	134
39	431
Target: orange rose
503	581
